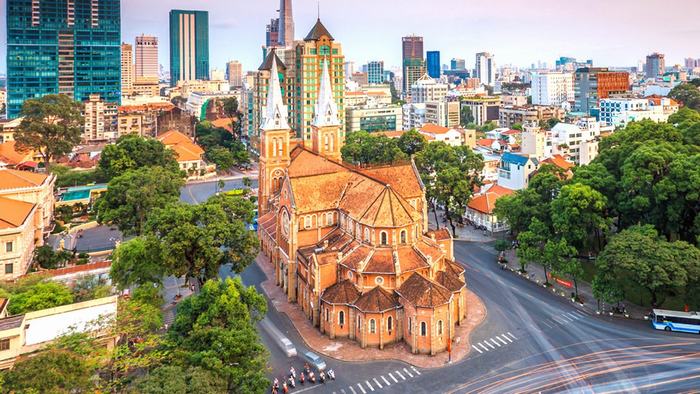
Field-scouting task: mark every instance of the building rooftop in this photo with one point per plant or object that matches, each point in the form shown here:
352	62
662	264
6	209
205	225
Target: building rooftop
13	213
14	179
317	32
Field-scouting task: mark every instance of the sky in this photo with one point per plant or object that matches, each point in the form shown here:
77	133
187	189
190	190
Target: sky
519	32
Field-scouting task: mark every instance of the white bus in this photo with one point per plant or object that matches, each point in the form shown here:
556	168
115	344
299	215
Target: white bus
667	320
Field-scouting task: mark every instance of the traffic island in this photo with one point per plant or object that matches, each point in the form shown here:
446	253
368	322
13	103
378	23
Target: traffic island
348	350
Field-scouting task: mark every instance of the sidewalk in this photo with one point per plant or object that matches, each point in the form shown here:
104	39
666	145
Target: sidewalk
535	273
465	233
348	350
171	288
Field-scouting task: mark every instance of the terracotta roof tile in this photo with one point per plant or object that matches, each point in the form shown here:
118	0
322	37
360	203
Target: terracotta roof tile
431	250
485	142
410	260
381	262
12	179
449	280
422	292
13	213
431	128
453	267
387	210
559	161
377	300
10	154
440	234
486	202
306	163
343	292
401	177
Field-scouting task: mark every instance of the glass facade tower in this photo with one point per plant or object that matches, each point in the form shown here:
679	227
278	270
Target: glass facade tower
189	46
71	47
433	60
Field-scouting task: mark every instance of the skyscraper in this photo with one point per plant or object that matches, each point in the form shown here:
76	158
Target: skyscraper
655	66
62	46
485	68
127	70
458	64
413	61
189	45
146	57
375	72
433	60
234	73
591	84
280	31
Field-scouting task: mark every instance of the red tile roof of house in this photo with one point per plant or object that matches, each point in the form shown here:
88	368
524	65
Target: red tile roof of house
485	142
486	202
434	129
559	161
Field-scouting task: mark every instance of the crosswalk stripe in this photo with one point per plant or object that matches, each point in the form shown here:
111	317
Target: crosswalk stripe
490	345
477	349
567	318
545	323
497	344
409	374
401	376
415	369
573	316
580	313
514	337
559	320
392	376
369	385
385	381
377	382
483	347
352	389
342	391
363	390
501	340
506	338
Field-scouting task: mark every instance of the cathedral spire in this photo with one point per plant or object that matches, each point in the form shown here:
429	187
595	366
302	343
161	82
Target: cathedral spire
326	113
276	111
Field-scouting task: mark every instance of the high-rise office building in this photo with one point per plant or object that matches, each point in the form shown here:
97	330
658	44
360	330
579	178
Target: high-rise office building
189	45
413	62
146	57
655	66
62	46
591	84
433	61
234	73
280	31
552	88
375	72
485	68
127	70
458	64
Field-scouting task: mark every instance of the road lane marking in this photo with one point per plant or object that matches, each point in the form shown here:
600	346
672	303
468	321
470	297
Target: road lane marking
477	349
545	323
581	313
352	389
363	390
415	369
514	337
501	340
342	391
497	344
377	382
483	347
369	385
559	320
409	374
507	339
401	376
567	318
490	345
573	316
392	376
385	381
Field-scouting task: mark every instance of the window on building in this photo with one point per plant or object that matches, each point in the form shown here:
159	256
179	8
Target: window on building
9	268
327	314
359	322
307	222
423	328
403	236
383	238
410	325
367	234
8	247
379	280
341	318
372	326
329	219
439	327
389	324
5	344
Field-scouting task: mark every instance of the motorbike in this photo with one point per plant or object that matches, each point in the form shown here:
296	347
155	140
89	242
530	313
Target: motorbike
301	378
331	374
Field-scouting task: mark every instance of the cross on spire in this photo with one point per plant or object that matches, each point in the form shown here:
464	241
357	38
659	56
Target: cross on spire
276	111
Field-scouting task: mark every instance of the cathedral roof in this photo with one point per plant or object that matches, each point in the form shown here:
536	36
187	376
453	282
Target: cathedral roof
377	300
422	292
343	292
326	111
275	117
317	32
267	63
449	280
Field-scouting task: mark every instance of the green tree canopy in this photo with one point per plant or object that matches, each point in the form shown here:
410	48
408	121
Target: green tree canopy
222	157
411	142
51	125
362	148
50	371
174	379
131	196
577	212
132	152
215	330
42	295
687	94
137	262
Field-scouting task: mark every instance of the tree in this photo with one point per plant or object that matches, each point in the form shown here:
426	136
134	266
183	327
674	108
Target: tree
411	142
215	330
687	94
562	259
134	194
42	295
362	148
517	126
222	157
531	246
577	212
50	371
230	106
197	239
136	262
51	125
501	245
466	116
175	379
47	258
132	152
240	154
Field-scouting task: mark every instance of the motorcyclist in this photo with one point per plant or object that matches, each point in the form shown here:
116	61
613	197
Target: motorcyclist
301	378
322	377
331	374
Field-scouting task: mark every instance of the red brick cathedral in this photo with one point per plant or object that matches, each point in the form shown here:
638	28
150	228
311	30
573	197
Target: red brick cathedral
351	245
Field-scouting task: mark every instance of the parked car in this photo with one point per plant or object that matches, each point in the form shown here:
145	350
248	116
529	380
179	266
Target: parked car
315	360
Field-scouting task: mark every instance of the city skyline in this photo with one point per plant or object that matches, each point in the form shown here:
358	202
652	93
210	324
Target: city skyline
241	19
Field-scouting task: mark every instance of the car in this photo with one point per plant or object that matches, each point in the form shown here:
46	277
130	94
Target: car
288	347
315	360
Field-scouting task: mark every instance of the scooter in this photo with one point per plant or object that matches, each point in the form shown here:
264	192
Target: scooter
301	378
331	374
322	377
285	389
312	377
292	382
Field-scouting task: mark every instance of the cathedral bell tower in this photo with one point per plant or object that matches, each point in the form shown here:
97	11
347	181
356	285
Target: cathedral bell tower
274	143
326	135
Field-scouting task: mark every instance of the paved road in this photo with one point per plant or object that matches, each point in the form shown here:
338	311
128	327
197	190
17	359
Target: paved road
199	192
531	341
